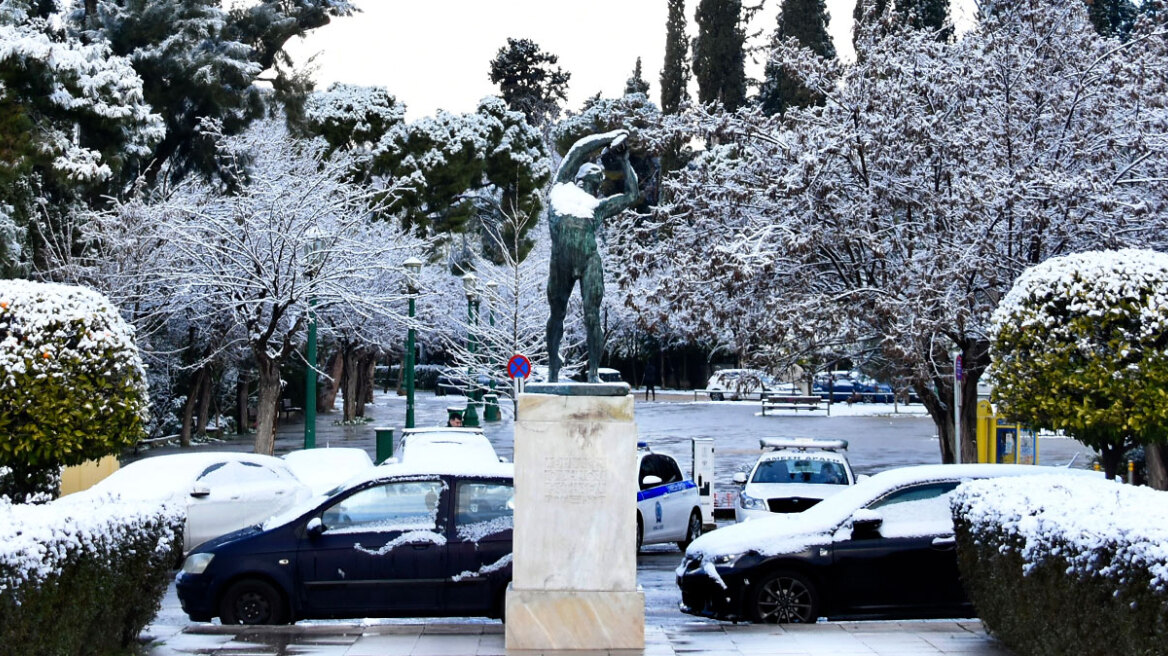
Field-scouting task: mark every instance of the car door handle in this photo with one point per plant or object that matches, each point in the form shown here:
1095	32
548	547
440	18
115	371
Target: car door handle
944	543
421	546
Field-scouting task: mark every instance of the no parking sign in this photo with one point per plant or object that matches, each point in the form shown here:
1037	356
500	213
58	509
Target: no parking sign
519	366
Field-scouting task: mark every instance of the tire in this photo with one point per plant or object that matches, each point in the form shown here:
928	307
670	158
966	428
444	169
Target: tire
716	396
785	597
693	531
640	532
252	601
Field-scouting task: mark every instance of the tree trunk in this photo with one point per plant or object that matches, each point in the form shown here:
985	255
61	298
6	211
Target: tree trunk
941	410
327	393
1110	455
349	380
975	357
188	410
241	417
267	404
1156	459
204	401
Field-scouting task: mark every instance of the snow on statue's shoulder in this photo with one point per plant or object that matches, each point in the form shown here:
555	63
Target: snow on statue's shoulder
570	200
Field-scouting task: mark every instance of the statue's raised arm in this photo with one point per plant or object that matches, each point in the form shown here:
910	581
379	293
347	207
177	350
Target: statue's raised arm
583	151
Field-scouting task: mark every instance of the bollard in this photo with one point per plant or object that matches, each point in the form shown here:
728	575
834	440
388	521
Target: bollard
1095	467
1131	472
384	444
491	408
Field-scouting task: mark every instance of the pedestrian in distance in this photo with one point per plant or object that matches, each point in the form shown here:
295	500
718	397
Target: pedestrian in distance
650	380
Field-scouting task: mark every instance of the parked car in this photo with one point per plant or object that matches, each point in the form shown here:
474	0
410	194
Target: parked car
324	469
402	541
607	375
668	508
221	491
881	548
737	384
791	476
445	443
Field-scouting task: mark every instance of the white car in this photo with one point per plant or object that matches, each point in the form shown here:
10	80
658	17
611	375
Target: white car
222	491
326	468
736	384
444	443
668	508
791	476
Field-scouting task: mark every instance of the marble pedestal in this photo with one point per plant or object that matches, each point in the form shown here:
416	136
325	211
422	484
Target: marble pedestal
574	574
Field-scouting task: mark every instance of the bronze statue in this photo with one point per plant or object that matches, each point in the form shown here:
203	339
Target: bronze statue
573	216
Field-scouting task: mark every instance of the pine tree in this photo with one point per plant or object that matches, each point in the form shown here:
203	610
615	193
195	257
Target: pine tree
675	74
719	57
529	80
806	22
636	83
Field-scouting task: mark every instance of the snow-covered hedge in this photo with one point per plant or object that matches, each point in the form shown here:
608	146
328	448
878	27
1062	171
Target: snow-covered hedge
82	578
1066	565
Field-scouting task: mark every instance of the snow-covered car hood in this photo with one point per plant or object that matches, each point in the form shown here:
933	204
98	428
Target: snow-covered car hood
793	490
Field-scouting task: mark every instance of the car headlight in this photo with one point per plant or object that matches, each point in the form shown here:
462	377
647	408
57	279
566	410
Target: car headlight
727	559
197	563
748	502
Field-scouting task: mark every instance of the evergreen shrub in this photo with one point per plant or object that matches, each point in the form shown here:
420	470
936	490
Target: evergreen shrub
1066	565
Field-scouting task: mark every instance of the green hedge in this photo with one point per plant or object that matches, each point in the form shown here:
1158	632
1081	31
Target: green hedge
82	578
1066	565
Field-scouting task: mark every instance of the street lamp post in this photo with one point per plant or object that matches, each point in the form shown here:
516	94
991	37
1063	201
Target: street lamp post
491	409
470	286
313	260
413	267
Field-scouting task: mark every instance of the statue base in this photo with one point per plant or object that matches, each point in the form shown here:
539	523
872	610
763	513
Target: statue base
574	574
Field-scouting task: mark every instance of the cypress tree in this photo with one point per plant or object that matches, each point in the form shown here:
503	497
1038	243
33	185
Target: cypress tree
806	22
636	83
1112	17
930	15
674	74
719	57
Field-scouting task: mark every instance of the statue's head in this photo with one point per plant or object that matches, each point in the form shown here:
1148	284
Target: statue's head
589	177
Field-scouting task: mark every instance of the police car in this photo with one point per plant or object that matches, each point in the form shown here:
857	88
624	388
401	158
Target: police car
792	475
668	509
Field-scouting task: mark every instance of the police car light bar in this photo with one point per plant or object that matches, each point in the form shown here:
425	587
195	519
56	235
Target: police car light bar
802	443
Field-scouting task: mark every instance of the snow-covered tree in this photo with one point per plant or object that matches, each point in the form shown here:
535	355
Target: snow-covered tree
75	121
805	21
900	212
636	83
675	73
297	235
1080	343
530	80
72	386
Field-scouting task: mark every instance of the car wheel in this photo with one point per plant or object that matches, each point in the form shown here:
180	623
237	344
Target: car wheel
640	532
694	530
716	396
253	601
785	597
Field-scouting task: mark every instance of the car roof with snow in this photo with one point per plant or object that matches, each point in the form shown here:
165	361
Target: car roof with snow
165	475
790	532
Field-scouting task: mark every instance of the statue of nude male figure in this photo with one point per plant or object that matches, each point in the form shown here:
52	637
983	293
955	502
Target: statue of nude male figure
573	216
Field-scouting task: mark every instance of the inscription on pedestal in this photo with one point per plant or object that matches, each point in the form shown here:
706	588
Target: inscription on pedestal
573	481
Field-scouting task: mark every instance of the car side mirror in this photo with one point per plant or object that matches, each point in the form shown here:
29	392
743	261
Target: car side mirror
314	527
866	523
650	480
739	478
862	477
199	491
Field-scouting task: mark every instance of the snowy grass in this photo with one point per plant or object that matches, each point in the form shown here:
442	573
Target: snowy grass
1061	565
82	578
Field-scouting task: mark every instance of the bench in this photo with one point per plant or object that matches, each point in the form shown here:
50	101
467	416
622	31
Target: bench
788	402
286	409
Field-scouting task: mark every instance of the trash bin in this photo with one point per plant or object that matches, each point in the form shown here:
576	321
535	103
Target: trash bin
491	408
384	444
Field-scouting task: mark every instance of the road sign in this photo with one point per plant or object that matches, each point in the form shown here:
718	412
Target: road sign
519	366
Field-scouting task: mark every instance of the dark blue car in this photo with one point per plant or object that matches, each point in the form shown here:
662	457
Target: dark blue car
397	542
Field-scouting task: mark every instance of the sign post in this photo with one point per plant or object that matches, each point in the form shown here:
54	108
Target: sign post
958	376
519	368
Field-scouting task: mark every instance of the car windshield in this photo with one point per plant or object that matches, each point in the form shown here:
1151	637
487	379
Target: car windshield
800	470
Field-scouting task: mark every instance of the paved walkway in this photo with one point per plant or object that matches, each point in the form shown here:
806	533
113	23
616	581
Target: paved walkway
965	638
